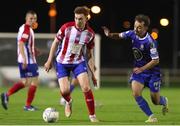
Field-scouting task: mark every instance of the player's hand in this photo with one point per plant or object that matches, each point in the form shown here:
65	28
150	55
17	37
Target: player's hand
94	80
47	66
106	30
24	65
137	70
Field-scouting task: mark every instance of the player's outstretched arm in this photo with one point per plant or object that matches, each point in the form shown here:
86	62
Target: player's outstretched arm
147	66
109	34
48	64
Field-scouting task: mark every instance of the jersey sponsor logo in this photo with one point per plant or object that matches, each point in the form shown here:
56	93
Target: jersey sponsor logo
137	54
153	51
76	48
25	36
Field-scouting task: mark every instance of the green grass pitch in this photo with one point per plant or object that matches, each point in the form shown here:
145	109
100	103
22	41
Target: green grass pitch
116	106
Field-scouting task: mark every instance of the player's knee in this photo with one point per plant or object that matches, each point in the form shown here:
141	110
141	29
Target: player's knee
85	88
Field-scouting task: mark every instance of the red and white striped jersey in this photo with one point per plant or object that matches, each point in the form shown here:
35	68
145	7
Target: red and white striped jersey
73	41
26	35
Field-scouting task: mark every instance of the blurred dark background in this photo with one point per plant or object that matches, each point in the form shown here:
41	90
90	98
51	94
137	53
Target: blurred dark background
114	53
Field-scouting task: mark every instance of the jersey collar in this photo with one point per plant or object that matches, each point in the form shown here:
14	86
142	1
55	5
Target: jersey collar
143	37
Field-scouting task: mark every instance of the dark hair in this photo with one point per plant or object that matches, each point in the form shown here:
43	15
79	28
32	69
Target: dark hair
82	10
143	18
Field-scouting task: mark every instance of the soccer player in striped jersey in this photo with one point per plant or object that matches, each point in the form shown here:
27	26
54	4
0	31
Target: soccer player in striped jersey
146	71
27	63
74	82
74	36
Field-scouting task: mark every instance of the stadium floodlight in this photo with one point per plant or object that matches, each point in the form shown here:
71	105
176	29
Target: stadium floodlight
164	21
50	1
95	9
52	12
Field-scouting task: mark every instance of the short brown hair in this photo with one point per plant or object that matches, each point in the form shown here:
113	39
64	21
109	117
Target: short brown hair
143	18
82	10
31	12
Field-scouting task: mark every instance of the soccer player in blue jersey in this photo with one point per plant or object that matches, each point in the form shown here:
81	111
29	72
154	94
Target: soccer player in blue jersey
146	71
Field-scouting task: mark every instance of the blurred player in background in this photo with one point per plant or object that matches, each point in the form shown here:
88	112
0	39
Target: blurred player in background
27	63
74	36
146	71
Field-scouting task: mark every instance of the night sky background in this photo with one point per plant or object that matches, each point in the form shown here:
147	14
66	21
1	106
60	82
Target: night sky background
114	53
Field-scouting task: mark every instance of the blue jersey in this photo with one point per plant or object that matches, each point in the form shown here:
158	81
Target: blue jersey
144	50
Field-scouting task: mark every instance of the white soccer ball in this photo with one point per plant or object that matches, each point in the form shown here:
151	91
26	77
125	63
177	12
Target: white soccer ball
50	115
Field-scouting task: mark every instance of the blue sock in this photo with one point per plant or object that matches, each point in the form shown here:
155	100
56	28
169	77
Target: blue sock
162	100
71	87
143	105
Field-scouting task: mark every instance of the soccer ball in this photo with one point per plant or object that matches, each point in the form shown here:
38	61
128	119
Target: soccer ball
50	115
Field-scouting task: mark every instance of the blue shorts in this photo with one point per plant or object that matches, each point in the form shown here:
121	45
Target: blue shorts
55	67
153	81
63	70
30	71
